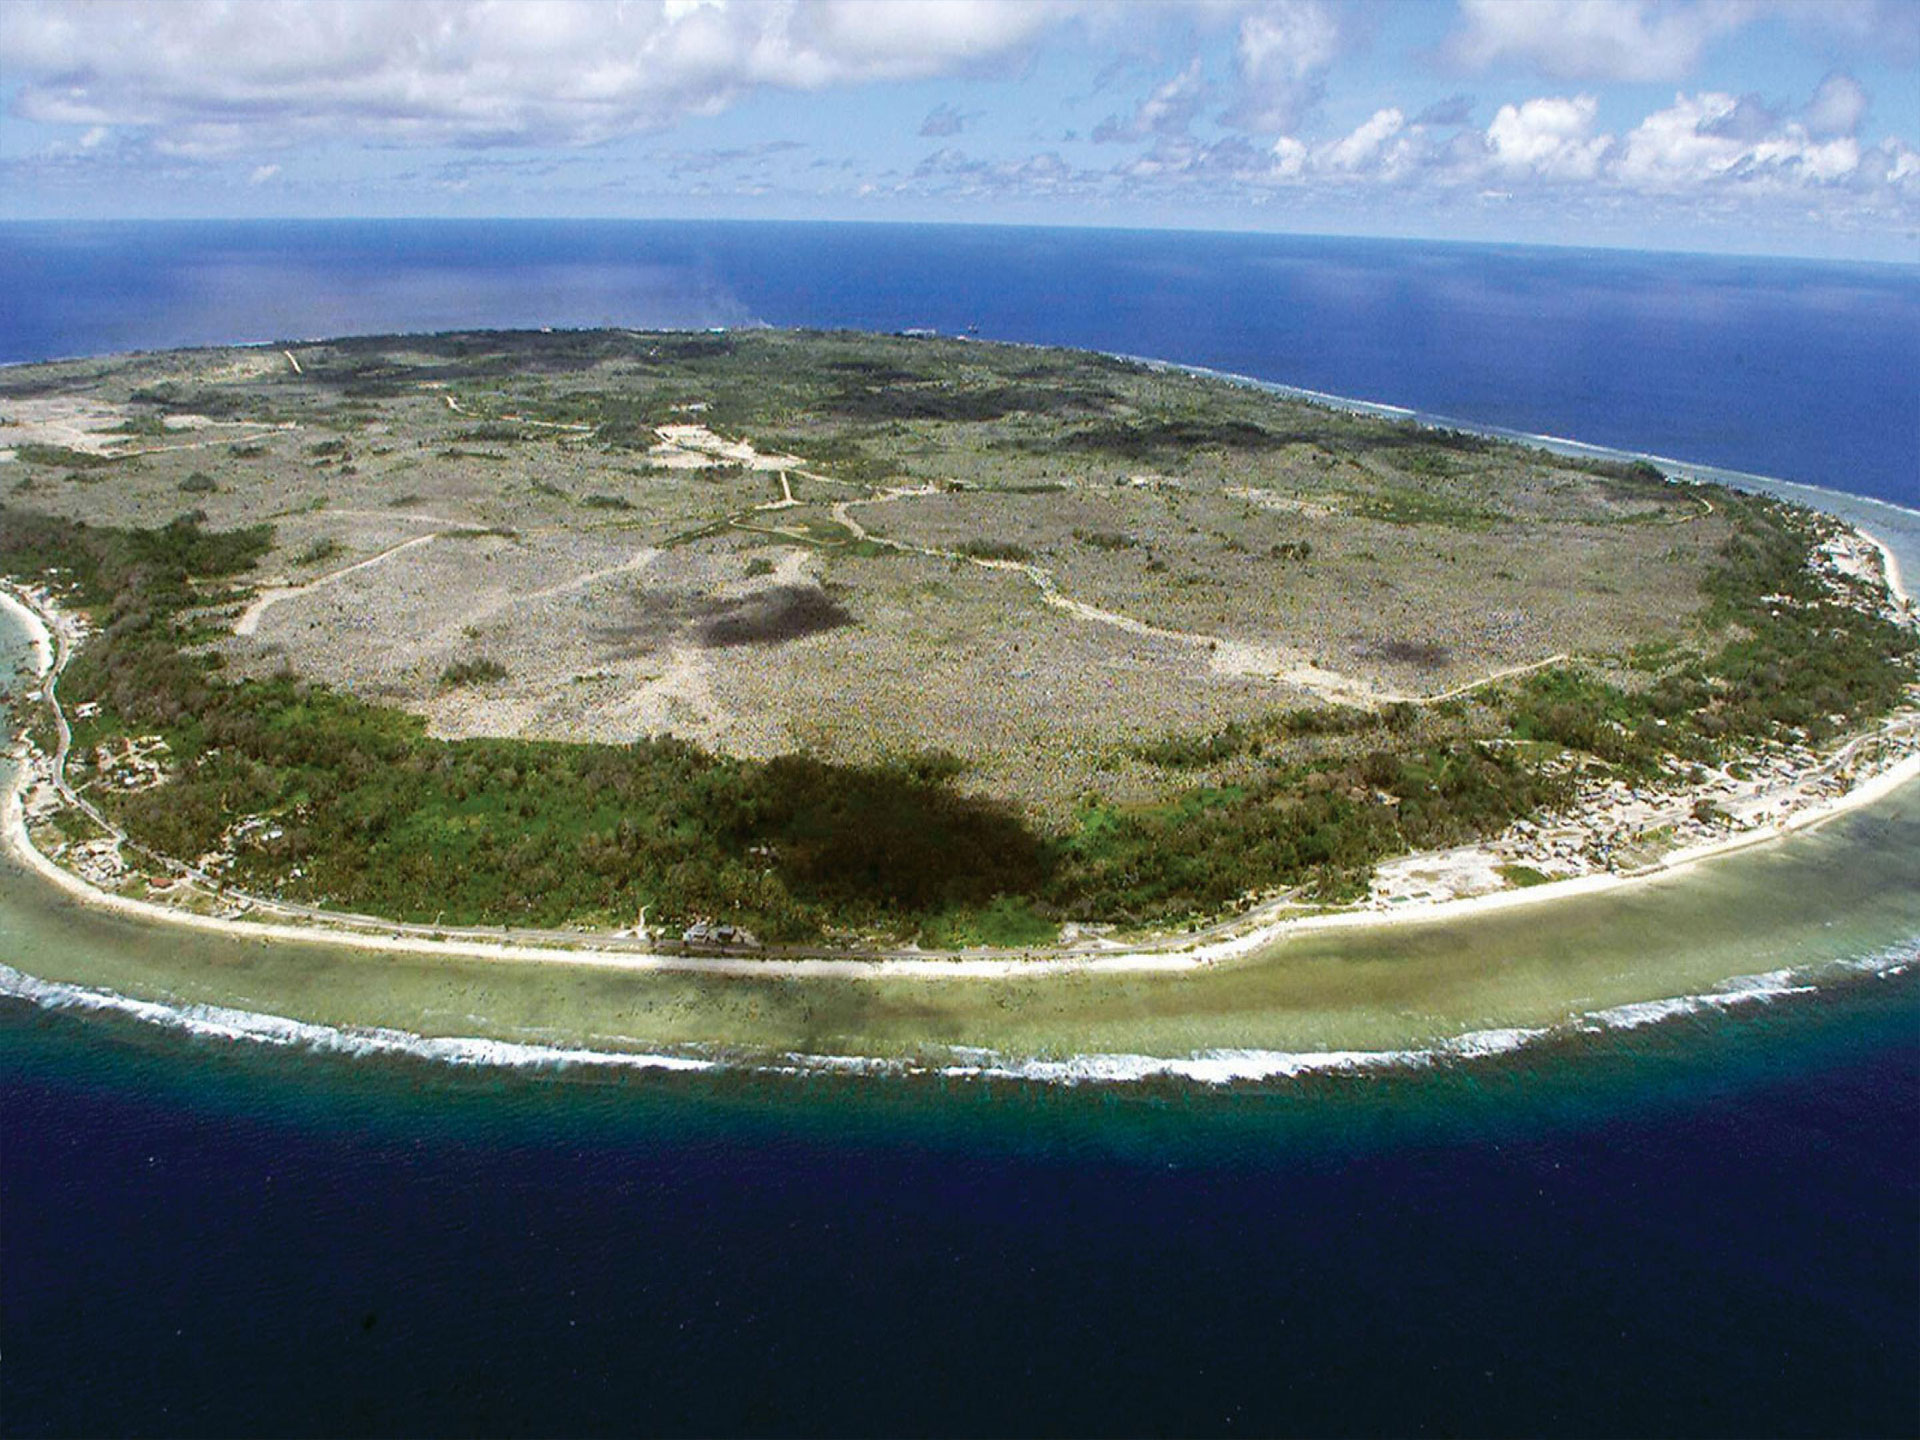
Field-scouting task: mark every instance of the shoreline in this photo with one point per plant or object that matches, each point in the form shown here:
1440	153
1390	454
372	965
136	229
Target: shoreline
1231	940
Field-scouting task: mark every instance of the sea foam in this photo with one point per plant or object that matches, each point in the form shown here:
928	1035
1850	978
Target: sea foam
1211	1067
219	1022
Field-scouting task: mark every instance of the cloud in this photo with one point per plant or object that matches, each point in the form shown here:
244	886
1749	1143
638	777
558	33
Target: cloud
734	158
1454	110
1749	119
1365	144
262	174
1592	39
954	175
1706	148
1281	57
1886	30
1289	159
209	75
1548	137
942	121
1169	110
1838	106
1687	147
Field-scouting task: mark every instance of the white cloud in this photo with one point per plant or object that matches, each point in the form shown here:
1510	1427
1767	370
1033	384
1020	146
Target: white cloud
1679	148
1281	56
262	173
1550	137
1593	39
1289	158
1838	106
1704	146
206	74
1169	110
1684	148
1365	144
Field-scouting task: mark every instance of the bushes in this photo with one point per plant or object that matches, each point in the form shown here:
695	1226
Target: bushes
379	816
473	672
1795	656
996	550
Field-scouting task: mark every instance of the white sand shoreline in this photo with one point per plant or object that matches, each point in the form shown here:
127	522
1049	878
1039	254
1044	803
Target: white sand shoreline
1166	957
39	637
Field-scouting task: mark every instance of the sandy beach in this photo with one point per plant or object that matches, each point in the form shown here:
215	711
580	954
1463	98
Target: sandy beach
1266	928
39	637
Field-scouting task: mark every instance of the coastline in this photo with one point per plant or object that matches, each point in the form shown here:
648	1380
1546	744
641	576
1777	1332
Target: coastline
1264	930
39	636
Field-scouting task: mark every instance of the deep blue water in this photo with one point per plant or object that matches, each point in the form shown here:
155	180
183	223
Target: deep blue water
1804	370
1710	1226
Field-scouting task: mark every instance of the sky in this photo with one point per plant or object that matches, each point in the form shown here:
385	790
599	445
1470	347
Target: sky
1765	126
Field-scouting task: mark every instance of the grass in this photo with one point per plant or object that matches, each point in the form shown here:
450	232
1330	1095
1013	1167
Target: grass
1523	877
1006	922
1403	506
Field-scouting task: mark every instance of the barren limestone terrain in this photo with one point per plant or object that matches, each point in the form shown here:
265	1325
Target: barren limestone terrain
886	640
859	546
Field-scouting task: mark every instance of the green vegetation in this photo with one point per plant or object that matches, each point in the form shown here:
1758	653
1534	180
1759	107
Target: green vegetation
1799	662
325	548
996	550
32	453
151	427
1412	531
473	672
373	814
1523	877
1006	922
1401	506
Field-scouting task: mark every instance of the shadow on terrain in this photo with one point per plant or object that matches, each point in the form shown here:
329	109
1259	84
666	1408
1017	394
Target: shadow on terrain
891	837
770	616
1420	655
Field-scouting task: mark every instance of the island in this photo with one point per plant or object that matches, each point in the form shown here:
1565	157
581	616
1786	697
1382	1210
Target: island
747	648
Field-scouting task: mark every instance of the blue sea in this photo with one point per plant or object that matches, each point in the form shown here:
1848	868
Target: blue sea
1804	370
1709	1225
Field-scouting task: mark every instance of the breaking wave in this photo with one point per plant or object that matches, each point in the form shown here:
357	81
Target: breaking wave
1213	1068
219	1022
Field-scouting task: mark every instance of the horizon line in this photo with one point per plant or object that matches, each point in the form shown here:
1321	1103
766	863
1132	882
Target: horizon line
1481	243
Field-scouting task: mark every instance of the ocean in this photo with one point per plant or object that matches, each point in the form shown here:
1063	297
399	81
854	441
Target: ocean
1804	370
1700	1218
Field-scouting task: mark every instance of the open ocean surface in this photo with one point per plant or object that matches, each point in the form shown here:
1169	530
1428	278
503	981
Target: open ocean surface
1708	1225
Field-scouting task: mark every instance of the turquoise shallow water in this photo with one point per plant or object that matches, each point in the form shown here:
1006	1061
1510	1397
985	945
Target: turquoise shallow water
1817	907
1684	1206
